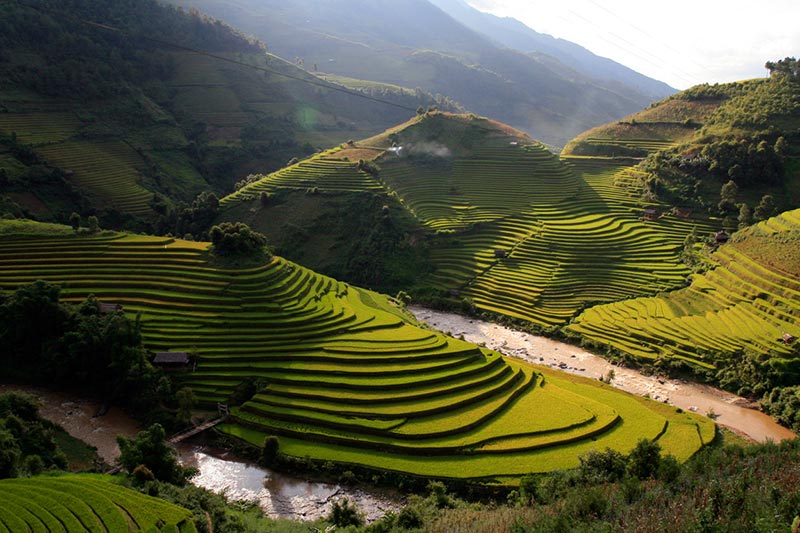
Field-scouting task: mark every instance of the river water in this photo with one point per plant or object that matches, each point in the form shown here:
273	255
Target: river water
731	411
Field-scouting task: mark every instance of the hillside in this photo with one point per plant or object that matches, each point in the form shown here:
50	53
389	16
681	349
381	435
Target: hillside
726	319
700	139
497	221
341	373
416	44
467	213
123	125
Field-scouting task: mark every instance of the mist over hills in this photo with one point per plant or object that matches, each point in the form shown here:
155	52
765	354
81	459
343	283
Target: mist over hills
452	51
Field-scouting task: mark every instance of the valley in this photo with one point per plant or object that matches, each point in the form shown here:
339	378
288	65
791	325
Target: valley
425	248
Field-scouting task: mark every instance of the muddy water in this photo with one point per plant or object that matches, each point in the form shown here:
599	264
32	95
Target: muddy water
730	410
279	495
78	417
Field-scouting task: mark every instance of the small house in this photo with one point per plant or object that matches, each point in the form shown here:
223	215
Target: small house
651	213
721	237
681	212
500	253
171	360
108	308
787	339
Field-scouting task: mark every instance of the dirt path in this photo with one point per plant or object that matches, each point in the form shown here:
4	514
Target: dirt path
732	411
77	417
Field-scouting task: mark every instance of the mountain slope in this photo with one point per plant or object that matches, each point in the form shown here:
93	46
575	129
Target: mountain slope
102	122
417	45
514	34
700	139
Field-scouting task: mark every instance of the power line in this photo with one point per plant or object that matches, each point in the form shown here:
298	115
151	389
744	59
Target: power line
162	42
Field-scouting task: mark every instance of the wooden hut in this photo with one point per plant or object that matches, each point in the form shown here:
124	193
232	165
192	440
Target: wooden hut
108	308
171	360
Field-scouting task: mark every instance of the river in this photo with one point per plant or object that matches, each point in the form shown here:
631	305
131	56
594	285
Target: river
731	411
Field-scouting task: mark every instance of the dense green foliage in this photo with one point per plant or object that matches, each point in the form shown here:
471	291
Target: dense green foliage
27	442
237	239
150	450
77	346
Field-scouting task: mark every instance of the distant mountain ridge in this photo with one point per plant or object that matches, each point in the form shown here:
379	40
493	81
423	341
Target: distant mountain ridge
419	45
512	33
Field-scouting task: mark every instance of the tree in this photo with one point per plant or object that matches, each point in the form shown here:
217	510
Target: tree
93	224
344	513
765	208
727	196
269	453
75	221
745	216
602	467
149	448
186	402
644	459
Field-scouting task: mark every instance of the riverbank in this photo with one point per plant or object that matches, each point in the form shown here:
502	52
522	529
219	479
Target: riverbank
79	417
729	410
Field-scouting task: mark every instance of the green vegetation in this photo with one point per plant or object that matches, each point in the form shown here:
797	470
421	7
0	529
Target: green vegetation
117	125
80	503
723	488
77	346
341	374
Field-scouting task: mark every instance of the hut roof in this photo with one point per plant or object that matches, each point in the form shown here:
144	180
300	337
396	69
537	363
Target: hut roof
109	307
171	358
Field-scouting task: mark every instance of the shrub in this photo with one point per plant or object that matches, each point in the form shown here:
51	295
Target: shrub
344	514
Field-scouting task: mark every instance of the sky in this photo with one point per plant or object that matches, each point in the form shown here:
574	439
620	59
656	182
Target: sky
680	42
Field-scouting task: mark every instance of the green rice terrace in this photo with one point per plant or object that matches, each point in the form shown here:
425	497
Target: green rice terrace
511	227
349	376
748	302
85	503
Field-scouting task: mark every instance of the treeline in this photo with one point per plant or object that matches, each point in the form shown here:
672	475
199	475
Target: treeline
76	346
86	61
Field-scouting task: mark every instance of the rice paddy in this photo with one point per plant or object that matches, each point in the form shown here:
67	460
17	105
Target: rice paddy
342	373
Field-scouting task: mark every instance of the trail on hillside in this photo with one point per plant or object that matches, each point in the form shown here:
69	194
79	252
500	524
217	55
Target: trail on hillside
731	411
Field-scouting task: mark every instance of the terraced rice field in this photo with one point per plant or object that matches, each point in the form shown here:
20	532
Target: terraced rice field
325	173
745	304
40	127
85	503
348	376
108	171
570	235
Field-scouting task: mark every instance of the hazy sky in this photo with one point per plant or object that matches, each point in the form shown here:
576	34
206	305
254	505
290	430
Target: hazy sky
680	42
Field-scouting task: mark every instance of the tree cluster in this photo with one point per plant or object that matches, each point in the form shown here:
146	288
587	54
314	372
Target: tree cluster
27	442
236	239
77	346
787	67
